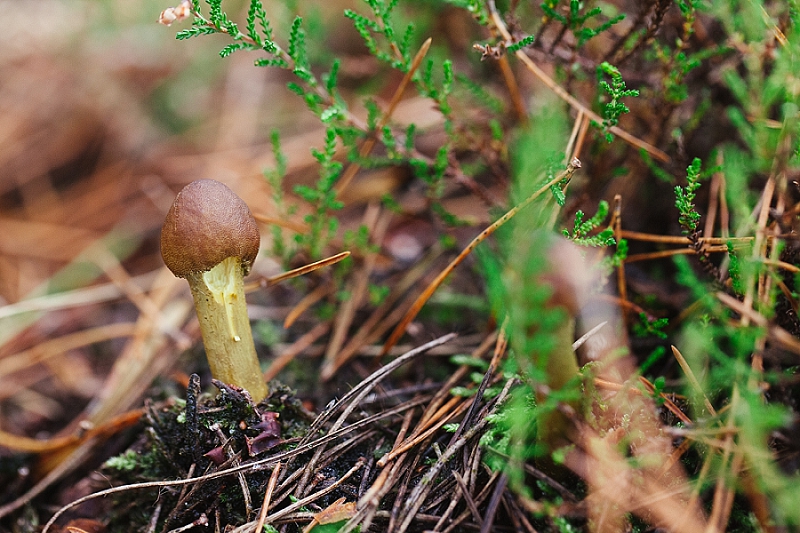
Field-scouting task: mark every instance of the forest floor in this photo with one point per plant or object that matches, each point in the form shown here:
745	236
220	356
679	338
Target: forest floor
429	381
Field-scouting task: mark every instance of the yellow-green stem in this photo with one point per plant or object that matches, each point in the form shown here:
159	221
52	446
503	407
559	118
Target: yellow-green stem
561	367
225	327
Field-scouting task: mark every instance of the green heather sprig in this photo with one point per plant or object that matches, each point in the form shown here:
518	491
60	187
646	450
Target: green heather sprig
616	91
685	196
322	225
522	43
676	61
647	327
399	54
275	178
576	22
582	229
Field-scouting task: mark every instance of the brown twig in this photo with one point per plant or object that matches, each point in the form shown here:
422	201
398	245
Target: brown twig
649	256
369	144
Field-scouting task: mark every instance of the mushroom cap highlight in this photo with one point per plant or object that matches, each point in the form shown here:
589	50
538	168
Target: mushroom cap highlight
206	224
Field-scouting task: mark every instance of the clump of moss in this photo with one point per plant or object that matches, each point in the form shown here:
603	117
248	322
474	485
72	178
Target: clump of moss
189	438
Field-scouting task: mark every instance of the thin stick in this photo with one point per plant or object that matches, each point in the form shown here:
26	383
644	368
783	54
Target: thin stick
273	480
674	239
400	329
669	253
462	486
576	153
576	127
369	144
622	285
305	269
586	336
494	503
513	89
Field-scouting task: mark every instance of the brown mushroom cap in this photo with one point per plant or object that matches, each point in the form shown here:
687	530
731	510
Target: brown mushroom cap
206	224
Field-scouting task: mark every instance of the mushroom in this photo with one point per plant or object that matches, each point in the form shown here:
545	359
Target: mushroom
211	239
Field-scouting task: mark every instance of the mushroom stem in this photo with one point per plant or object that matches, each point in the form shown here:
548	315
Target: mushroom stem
222	312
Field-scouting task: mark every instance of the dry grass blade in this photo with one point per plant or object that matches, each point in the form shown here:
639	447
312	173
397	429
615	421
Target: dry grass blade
693	380
306	303
55	347
400	329
76	298
305	269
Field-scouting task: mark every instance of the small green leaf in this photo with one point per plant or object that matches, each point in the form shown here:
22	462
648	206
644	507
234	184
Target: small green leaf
519	45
